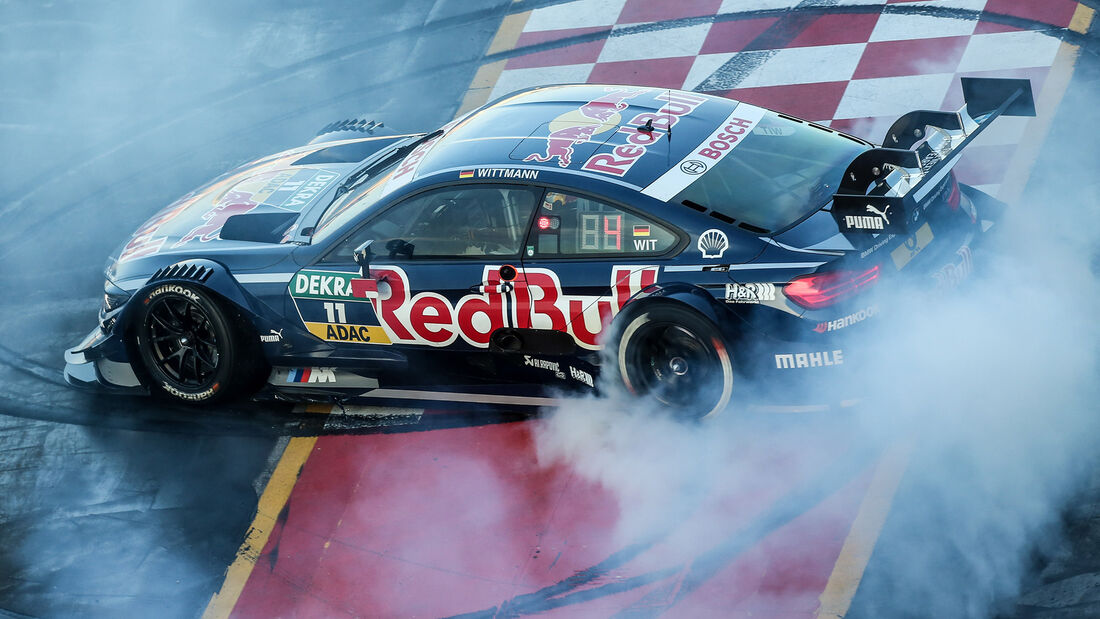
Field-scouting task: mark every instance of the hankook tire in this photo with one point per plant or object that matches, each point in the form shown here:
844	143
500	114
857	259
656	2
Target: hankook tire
677	356
191	350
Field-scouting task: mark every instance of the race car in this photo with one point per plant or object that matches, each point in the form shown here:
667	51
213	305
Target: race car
680	244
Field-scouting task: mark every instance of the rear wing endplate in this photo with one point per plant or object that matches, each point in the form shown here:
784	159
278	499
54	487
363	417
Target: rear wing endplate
883	187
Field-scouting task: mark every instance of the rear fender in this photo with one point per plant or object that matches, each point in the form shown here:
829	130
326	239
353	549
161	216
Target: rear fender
683	294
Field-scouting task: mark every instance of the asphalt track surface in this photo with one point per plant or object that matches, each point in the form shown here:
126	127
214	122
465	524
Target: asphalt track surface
131	507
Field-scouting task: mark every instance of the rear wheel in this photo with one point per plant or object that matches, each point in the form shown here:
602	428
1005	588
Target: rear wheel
191	350
677	356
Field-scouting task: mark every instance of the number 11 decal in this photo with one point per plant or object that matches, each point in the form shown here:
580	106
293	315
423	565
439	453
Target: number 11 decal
335	312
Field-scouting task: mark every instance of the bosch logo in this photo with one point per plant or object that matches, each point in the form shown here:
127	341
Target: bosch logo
693	167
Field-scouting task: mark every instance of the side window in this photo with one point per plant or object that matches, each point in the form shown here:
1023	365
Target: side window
568	225
454	222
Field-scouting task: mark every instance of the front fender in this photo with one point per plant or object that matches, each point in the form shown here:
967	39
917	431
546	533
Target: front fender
211	277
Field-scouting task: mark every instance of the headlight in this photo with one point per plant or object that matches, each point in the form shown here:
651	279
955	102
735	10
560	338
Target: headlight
113	299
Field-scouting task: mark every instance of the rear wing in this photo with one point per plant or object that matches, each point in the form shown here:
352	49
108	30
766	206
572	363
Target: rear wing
882	187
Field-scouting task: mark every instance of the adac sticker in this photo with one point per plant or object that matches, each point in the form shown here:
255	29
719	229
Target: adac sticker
350	334
333	306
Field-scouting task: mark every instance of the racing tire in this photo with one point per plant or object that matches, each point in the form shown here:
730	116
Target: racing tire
677	356
192	350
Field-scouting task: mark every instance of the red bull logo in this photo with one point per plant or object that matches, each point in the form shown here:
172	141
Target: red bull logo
233	203
576	127
242	198
535	300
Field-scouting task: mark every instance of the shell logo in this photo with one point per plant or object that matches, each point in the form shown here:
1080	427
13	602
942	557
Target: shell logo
713	243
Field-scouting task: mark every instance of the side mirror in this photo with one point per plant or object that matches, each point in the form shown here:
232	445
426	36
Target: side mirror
362	256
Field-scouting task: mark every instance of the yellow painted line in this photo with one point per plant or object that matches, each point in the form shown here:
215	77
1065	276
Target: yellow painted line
271	504
488	74
856	552
1046	103
1082	17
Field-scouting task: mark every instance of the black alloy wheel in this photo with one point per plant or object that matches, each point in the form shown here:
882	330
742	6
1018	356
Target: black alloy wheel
186	343
677	356
183	341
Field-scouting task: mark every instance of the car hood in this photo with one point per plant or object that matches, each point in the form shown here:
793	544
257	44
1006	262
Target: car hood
194	222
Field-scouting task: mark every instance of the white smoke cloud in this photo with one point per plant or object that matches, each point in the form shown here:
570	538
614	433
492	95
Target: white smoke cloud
992	384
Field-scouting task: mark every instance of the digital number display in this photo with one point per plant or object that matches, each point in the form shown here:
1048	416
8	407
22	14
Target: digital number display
601	232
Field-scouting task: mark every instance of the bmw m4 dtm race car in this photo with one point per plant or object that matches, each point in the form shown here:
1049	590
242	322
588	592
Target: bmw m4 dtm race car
679	242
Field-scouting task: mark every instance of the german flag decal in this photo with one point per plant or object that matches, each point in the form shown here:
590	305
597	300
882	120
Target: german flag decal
466	174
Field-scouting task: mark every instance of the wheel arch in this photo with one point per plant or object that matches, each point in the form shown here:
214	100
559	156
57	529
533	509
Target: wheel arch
685	298
209	276
682	294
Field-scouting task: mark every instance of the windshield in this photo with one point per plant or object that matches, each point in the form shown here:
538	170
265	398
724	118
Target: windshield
783	171
354	203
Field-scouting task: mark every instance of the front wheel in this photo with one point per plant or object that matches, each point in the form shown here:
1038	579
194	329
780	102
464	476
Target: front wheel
679	357
191	351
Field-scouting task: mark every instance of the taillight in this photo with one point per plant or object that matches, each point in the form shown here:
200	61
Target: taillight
824	289
953	197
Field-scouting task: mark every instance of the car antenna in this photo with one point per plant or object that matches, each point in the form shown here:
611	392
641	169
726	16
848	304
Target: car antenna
668	129
668	117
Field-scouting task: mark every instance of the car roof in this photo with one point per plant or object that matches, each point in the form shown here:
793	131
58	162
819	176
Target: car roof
582	128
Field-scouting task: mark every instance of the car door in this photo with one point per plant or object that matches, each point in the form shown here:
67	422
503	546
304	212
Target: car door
434	276
584	258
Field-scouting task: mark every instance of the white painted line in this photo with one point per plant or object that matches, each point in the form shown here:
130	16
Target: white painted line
893	96
806	65
1009	50
511	80
579	14
672	43
897	27
263	278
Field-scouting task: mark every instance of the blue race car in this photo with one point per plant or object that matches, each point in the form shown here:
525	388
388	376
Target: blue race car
680	242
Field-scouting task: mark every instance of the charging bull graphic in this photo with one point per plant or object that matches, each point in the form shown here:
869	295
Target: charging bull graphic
578	126
234	203
242	198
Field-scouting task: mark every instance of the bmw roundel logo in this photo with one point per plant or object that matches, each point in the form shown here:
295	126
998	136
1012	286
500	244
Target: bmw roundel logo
693	167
